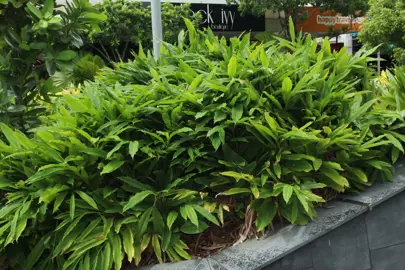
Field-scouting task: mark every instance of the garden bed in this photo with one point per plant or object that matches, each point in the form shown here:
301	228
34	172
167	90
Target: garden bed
257	254
154	159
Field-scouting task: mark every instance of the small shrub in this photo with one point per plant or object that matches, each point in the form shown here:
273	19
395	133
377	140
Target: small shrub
160	149
85	69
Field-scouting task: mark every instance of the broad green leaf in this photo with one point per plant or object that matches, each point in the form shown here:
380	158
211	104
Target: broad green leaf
112	166
45	174
312	185
287	192
36	252
237	112
133	148
291	28
87	199
34	10
294	211
66	55
128	241
195	83
86	262
332	165
8	132
299	166
219	116
265	214
115	149
359	174
191	214
58	201
287	85
317	164
334	176
395	142
72	206
136	199
206	214
48	7
156	248
237	176
302	199
167	236
277	170
38	45
106	257
394	154
93	224
171	218
143	223
232	67
234	191
157	220
136	184
51	193
118	256
180	247
190	228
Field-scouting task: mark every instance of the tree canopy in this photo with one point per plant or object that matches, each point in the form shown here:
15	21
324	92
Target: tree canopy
385	24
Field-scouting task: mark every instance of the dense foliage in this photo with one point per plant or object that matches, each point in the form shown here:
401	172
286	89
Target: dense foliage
36	40
129	23
85	68
384	25
157	150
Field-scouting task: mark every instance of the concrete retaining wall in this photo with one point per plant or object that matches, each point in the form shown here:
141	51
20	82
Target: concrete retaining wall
375	240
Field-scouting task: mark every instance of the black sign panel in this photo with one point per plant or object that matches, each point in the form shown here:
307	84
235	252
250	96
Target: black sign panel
224	18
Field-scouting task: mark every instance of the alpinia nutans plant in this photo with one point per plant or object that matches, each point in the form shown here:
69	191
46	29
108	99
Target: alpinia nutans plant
158	149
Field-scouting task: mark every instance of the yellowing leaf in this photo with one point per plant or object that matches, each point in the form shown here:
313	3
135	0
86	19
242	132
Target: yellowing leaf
156	248
237	176
118	256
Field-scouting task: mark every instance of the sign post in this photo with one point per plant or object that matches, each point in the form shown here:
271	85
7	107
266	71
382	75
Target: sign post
157	32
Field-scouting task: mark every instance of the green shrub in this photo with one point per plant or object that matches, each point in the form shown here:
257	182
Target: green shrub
156	150
37	38
85	69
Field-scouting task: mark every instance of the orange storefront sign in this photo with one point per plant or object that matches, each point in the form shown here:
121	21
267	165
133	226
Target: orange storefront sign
320	22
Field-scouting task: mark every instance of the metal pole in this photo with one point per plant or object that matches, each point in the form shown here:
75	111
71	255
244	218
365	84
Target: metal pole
379	62
157	32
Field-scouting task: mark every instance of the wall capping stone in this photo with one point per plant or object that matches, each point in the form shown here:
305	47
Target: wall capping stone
256	254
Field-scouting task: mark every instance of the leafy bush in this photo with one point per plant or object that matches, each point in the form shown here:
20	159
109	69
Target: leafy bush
129	23
154	151
85	69
39	39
